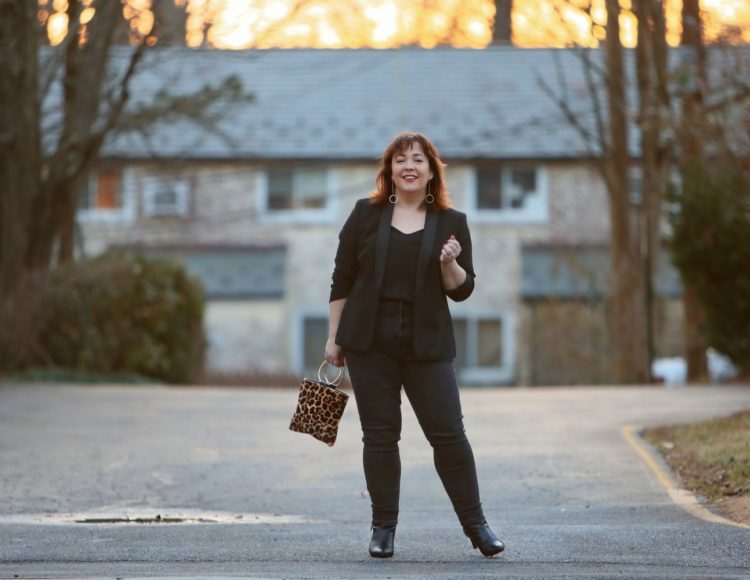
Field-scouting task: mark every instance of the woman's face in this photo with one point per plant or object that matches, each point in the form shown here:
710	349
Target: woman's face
410	169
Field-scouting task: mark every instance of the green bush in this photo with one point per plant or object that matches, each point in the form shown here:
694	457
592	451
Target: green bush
122	313
710	247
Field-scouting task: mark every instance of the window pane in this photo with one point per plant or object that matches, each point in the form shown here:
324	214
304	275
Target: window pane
635	184
523	185
316	335
489	191
108	191
459	331
84	193
280	189
490	343
310	188
165	197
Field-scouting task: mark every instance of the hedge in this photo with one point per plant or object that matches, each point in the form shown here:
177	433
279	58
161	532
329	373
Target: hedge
123	313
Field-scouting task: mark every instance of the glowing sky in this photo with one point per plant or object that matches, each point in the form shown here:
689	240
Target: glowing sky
236	24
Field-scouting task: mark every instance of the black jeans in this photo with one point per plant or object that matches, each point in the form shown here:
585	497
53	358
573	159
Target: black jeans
377	376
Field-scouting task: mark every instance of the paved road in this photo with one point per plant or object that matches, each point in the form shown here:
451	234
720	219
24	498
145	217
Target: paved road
559	484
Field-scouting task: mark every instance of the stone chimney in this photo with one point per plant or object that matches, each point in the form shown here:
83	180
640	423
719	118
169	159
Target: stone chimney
502	29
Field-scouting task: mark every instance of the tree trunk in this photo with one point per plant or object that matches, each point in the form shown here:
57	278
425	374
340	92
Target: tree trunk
628	318
695	341
20	160
653	98
20	151
53	214
502	30
692	25
170	22
692	154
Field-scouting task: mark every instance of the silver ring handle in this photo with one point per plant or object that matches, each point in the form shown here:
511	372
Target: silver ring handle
324	378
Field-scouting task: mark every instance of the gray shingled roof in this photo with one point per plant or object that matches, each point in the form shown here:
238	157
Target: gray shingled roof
347	104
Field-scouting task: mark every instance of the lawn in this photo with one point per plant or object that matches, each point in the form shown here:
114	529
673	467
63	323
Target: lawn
712	459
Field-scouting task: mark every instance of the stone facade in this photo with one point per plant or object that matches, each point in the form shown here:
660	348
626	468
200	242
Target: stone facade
225	208
516	166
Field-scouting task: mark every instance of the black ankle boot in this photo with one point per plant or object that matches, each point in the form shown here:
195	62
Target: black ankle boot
484	538
381	545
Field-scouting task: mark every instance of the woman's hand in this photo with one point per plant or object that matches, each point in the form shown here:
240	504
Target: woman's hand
334	353
451	250
452	274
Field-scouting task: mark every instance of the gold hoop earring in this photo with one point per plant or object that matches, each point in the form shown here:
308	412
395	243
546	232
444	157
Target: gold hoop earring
429	198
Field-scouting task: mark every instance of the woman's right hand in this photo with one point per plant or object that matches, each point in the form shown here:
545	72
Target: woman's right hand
334	353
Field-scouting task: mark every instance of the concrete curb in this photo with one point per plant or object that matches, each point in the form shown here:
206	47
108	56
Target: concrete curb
687	500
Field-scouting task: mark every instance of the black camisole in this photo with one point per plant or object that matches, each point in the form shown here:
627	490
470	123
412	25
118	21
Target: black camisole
400	279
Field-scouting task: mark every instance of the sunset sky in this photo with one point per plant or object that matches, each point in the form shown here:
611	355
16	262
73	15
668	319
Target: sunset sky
237	24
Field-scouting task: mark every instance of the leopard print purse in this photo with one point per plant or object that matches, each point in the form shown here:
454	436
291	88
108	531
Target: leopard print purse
320	406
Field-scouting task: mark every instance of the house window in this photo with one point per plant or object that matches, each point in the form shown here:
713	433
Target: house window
102	196
483	353
101	192
315	331
509	192
290	189
232	272
299	194
479	342
164	197
635	184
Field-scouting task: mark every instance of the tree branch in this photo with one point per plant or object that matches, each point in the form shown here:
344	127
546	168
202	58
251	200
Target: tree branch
572	117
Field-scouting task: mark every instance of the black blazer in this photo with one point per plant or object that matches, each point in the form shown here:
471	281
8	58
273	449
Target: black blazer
359	269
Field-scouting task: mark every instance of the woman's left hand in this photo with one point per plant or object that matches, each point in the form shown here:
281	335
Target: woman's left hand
451	250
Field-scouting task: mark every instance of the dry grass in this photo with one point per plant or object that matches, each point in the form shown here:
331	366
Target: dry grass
712	459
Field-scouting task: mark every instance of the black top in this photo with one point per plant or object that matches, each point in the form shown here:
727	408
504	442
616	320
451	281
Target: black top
359	270
400	279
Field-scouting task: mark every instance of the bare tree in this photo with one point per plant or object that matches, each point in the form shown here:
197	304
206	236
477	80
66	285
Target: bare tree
691	153
653	119
21	162
667	141
628	330
635	234
20	150
83	130
41	164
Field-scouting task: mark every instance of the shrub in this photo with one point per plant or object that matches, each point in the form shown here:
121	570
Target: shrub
711	248
122	313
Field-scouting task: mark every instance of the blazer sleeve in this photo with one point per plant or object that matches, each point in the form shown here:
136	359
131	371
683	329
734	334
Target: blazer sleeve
346	264
464	260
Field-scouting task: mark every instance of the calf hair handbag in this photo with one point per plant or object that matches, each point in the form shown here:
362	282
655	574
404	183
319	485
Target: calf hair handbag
320	405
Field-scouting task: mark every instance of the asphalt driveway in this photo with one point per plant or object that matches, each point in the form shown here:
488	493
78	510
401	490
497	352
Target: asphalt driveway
560	485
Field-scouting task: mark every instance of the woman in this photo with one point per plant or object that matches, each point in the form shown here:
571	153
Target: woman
400	253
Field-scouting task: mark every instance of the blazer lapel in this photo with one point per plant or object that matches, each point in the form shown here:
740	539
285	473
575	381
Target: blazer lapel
381	247
425	250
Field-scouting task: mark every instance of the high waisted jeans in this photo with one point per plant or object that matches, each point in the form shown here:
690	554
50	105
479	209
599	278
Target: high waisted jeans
377	377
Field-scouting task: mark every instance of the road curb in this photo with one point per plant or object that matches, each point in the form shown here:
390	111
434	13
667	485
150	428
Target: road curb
687	500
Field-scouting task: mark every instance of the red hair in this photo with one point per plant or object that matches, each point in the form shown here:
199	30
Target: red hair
436	186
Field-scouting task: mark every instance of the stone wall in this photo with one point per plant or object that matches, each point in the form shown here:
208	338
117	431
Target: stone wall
262	335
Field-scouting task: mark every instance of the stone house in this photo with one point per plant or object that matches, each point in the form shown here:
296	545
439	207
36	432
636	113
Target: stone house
254	206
